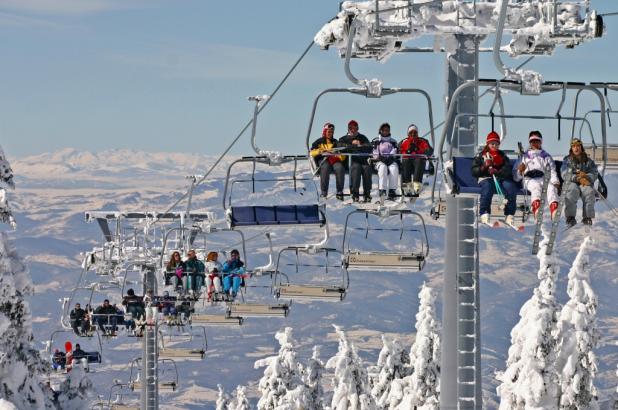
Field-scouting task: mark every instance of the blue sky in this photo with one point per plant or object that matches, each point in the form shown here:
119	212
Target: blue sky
160	75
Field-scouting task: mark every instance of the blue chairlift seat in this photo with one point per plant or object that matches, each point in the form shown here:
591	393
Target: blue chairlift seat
465	183
91	357
277	215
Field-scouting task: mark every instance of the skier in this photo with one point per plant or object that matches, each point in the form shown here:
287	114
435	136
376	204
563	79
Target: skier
195	273
106	318
384	157
531	167
175	269
415	151
358	144
59	360
492	166
322	152
234	270
167	304
79	323
134	304
584	174
213	280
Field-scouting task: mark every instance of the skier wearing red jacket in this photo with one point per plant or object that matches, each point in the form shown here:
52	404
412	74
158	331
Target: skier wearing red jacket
414	151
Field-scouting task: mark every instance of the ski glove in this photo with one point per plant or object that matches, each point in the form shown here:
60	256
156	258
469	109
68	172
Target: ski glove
492	171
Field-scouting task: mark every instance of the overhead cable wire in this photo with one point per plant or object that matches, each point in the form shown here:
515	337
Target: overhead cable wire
198	182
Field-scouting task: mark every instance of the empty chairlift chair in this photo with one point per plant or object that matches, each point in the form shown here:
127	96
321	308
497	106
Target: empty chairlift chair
385	240
167	375
178	344
310	273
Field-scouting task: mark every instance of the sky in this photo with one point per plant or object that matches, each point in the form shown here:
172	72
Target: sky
174	76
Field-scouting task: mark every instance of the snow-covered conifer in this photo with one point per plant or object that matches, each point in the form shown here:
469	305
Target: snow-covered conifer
350	382
578	336
393	363
531	379
21	367
74	393
241	402
223	400
6	180
421	388
283	374
312	376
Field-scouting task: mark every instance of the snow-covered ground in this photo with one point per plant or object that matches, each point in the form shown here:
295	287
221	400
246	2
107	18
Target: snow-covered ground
55	189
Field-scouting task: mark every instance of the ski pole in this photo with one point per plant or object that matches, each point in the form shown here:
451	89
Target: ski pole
499	192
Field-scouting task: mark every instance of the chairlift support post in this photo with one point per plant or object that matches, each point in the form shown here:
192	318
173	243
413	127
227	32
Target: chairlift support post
150	350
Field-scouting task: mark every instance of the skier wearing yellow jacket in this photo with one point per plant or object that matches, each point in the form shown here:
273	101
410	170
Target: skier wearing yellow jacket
323	152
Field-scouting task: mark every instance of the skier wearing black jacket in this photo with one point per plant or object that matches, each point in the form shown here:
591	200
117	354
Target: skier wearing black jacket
356	143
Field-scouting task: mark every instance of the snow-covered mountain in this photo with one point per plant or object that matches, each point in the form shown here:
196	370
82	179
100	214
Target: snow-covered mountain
55	189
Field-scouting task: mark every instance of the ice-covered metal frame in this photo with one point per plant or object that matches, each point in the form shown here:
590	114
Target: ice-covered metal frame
384	27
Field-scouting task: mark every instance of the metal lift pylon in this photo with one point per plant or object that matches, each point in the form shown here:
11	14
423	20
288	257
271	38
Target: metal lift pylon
150	350
460	380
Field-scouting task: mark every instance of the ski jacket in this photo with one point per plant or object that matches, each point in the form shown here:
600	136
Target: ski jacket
102	310
59	358
363	148
414	146
134	300
211	266
172	266
384	149
236	267
584	164
323	144
78	314
194	266
79	354
503	166
537	162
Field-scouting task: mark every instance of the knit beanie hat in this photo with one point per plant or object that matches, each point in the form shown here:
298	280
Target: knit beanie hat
493	137
326	127
352	123
412	127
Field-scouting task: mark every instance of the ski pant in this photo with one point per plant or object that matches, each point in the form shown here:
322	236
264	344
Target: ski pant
325	169
195	281
213	281
576	191
488	189
169	310
358	170
535	186
79	326
388	175
231	281
136	312
412	169
107	322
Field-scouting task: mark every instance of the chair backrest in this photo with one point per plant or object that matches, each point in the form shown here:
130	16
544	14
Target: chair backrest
277	215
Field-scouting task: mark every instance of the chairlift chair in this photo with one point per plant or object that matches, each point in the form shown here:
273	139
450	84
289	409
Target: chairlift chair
167	375
296	263
183	345
305	210
408	252
93	349
457	171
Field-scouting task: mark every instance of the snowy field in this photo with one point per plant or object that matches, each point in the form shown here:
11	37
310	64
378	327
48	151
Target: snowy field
55	189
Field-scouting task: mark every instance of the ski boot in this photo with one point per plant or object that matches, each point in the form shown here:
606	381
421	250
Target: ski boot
536	204
339	196
587	221
391	194
417	189
553	208
570	221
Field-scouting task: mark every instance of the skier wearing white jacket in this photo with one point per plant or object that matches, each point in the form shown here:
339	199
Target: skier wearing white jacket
531	167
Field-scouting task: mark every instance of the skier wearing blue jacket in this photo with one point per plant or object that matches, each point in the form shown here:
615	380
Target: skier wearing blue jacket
233	270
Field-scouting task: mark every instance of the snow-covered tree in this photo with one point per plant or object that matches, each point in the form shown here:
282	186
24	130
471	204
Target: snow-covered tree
223	400
312	376
240	402
421	388
6	180
530	380
75	391
21	367
283	375
393	363
578	336
350	382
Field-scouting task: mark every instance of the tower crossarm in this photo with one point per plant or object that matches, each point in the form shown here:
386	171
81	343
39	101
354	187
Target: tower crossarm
384	27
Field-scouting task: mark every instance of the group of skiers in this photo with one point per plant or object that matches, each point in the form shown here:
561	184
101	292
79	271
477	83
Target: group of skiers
64	361
223	281
383	154
536	169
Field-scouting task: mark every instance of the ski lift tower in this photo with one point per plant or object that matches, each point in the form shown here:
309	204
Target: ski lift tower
378	29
